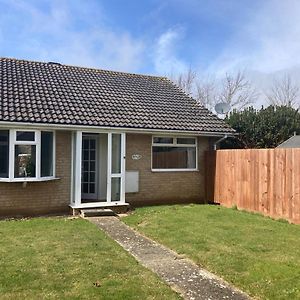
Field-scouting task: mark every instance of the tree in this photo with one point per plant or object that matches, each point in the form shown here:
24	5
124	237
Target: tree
186	81
264	128
206	93
237	91
233	89
284	92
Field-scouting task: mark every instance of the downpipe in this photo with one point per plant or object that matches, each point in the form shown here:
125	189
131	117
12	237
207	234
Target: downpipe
219	141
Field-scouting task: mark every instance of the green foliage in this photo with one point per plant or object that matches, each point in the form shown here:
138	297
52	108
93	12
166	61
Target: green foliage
264	128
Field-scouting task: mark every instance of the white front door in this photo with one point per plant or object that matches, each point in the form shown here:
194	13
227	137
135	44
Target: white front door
89	167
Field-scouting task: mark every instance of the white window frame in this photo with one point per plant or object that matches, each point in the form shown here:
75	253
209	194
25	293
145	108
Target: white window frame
174	144
37	143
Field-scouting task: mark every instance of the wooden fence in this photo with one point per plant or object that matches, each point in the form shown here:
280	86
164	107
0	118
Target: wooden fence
261	180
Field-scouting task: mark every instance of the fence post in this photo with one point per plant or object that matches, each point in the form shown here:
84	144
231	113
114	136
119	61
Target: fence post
210	167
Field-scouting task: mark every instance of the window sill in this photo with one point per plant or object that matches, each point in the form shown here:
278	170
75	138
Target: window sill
174	170
28	179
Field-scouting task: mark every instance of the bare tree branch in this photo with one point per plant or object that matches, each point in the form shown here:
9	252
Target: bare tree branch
206	93
186	81
234	89
284	92
237	91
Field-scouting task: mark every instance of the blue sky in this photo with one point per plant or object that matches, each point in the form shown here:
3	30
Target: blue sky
155	36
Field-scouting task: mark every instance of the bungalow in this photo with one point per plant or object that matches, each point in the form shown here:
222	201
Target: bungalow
84	138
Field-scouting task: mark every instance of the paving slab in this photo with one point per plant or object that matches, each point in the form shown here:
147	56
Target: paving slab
184	276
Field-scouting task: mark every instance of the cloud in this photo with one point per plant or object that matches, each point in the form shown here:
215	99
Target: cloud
165	56
267	42
70	32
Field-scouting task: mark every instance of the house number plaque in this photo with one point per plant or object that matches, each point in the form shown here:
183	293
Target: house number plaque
136	156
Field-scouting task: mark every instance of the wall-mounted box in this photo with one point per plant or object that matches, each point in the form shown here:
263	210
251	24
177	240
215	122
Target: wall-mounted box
132	182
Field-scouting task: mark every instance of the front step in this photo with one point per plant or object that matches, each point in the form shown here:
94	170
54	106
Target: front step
96	212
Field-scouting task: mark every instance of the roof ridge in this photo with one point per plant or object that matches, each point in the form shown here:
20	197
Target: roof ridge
81	67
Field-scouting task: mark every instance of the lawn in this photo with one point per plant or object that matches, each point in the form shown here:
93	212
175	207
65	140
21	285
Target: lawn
259	255
59	258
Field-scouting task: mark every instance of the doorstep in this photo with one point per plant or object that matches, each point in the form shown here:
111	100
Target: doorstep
116	207
98	205
96	212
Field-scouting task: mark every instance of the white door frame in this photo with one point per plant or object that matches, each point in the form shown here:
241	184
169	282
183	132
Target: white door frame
77	166
77	169
120	175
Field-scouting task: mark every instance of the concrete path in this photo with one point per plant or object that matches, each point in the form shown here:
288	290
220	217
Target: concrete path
181	274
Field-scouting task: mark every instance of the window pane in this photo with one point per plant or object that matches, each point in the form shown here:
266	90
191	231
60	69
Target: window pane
92	176
85	188
25	136
92	154
163	140
86	154
92	166
46	153
86	144
4	153
116	153
25	161
85	177
92	188
174	157
93	144
190	141
115	188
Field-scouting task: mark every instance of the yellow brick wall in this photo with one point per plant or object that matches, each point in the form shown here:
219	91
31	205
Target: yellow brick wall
163	187
154	187
41	197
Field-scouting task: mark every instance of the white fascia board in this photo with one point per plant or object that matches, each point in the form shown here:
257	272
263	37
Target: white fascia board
98	129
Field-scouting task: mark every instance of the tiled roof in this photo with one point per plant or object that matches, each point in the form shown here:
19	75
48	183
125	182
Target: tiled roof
292	142
58	94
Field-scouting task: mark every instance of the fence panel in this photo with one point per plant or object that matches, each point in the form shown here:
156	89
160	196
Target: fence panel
260	180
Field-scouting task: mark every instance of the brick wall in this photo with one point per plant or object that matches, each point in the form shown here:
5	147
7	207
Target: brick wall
163	187
41	197
154	187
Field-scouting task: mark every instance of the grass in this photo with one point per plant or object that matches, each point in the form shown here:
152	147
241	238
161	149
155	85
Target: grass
259	255
58	258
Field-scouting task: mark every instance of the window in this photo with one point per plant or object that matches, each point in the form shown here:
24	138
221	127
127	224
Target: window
174	153
25	161
4	151
163	140
26	155
25	136
46	153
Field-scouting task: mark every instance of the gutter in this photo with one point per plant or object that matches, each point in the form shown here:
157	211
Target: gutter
219	141
89	128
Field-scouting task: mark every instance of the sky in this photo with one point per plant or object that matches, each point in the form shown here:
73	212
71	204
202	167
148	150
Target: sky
159	37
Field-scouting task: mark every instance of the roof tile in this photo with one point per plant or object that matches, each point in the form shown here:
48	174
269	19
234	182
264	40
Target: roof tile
52	93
